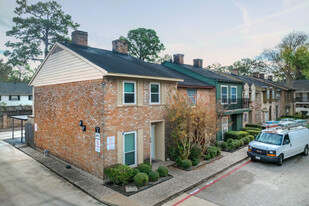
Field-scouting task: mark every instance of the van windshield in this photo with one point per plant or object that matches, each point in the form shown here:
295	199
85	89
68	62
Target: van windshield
269	138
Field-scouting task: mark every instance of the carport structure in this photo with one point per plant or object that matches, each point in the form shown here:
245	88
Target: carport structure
22	118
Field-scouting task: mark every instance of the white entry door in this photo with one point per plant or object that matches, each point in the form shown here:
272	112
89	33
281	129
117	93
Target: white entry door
153	139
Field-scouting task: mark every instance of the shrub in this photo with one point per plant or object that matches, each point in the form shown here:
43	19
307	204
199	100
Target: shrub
173	152
233	145
242	142
135	171
145	168
253	132
141	179
229	140
235	134
218	151
163	171
217	144
178	161
195	162
212	151
223	145
248	139
238	143
153	176
119	174
207	157
195	155
251	128
253	125
186	164
251	137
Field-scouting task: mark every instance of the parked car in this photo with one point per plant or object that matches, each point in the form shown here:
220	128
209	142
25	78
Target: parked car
277	144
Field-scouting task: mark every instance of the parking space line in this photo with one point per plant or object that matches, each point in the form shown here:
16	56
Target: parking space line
211	183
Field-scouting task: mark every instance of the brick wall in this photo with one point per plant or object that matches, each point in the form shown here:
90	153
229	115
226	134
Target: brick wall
58	110
132	118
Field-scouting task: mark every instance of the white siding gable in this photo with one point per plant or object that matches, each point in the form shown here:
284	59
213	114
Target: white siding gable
63	66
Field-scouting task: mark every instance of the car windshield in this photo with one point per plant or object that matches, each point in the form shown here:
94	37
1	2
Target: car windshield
269	138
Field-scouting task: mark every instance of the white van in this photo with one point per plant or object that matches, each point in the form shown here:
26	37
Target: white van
277	144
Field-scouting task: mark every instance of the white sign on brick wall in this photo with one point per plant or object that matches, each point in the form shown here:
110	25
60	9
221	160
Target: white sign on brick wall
110	143
97	142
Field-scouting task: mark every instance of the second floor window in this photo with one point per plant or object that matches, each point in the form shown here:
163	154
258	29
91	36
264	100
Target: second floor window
268	94
224	95
191	92
233	95
129	92
154	93
273	94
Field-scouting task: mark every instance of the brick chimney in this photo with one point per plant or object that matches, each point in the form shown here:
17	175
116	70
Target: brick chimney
80	38
178	58
270	77
262	76
256	74
235	71
198	63
120	46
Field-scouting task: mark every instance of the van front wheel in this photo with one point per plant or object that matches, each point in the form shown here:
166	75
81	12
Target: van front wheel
280	159
305	153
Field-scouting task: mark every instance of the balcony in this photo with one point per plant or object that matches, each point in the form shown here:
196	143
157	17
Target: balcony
239	103
302	99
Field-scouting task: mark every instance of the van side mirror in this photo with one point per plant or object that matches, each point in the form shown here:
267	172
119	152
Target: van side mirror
286	141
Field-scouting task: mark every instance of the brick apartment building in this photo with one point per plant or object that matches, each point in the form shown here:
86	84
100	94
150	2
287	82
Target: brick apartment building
94	108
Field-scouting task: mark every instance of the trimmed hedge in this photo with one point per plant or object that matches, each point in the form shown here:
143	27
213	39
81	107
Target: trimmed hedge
153	176
163	171
253	132
253	125
145	168
251	128
119	174
235	134
141	179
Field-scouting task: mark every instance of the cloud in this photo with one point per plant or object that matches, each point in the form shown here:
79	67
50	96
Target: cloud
245	16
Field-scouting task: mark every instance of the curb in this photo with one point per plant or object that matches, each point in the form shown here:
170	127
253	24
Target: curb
198	183
85	191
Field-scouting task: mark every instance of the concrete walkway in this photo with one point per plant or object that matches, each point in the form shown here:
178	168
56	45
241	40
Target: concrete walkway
24	181
156	195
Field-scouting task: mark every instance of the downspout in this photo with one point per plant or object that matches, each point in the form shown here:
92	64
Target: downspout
103	124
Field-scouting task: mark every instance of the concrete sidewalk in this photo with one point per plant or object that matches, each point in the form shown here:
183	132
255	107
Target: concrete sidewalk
156	195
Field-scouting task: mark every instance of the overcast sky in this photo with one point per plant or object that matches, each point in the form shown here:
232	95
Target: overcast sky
221	31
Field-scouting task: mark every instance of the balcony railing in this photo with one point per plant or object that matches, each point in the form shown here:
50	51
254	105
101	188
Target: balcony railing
230	104
302	99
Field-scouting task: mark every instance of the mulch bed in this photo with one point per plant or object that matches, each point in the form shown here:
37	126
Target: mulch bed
122	188
200	164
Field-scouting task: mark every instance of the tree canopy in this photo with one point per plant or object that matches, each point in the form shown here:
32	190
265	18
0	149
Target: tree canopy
36	26
144	44
290	59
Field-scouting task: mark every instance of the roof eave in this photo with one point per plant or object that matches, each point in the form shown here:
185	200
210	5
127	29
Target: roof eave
144	77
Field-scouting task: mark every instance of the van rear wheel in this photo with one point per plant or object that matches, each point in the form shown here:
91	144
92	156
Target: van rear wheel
280	159
305	153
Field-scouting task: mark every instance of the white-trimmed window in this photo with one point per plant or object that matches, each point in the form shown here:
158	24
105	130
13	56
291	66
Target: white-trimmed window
233	94
268	94
154	93
14	97
191	92
224	94
273	94
253	95
129	92
129	148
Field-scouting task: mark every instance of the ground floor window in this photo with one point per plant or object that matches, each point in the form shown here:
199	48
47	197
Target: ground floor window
266	115
130	148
